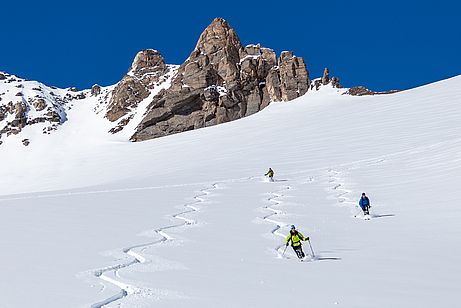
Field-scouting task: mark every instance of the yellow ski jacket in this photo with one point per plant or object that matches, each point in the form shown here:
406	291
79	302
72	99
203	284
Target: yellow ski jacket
295	238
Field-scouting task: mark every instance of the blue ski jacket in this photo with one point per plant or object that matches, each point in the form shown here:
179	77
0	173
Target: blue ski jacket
364	202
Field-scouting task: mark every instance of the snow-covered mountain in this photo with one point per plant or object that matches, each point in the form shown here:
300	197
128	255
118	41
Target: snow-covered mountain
221	81
88	219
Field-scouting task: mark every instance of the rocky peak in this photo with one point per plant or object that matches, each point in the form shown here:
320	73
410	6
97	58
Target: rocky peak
147	59
218	36
326	76
146	72
222	81
148	65
215	58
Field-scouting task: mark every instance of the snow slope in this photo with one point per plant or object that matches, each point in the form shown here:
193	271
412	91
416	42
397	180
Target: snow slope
89	220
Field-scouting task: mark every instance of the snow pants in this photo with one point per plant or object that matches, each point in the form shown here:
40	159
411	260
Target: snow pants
299	251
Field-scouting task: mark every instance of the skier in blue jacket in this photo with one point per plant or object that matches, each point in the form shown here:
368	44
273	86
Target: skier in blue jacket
365	204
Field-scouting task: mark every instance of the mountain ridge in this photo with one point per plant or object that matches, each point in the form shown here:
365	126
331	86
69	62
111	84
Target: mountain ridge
220	81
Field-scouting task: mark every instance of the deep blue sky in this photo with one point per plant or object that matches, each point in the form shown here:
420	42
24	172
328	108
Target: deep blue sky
381	44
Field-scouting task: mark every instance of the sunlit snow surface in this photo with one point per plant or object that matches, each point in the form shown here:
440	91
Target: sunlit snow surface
88	219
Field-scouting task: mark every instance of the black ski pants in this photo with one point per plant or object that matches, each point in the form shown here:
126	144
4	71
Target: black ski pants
299	251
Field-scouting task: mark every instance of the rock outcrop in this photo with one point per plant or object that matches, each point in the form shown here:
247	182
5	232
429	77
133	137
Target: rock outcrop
361	91
326	76
221	81
294	76
127	94
147	71
325	80
95	90
335	82
36	104
39	104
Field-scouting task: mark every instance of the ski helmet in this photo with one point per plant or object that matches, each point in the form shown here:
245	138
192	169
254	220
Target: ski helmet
293	227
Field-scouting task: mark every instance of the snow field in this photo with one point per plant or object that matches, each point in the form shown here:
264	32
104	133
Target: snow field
188	220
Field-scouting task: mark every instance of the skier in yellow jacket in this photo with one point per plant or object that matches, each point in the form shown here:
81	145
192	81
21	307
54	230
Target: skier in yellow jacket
296	237
270	174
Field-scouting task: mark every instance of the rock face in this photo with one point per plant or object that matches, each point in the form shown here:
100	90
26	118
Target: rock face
326	76
335	82
95	90
127	94
221	81
145	73
293	75
133	88
361	91
39	104
36	104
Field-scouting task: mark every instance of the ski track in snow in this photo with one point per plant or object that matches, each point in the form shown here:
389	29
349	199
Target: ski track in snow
275	212
337	182
137	258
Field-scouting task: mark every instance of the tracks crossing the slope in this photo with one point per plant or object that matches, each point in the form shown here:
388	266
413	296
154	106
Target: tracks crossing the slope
127	289
335	178
337	183
273	199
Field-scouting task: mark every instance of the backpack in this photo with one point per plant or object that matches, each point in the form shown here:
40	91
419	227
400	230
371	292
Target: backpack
291	235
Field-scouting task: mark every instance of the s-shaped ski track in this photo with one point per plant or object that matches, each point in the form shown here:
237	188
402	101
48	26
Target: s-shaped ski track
136	258
275	195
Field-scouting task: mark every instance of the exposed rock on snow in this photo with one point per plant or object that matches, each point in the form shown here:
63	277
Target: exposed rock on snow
39	104
325	80
221	81
335	82
147	71
95	90
361	90
36	103
148	62
294	76
127	94
250	78
326	76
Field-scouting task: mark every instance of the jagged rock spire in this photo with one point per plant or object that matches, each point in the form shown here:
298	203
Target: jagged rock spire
147	60
222	81
215	57
216	36
147	68
326	76
293	75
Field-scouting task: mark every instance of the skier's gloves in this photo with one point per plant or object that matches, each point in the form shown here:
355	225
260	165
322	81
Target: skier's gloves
307	238
287	244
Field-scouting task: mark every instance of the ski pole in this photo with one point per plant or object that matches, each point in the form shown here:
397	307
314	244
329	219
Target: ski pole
311	248
283	254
